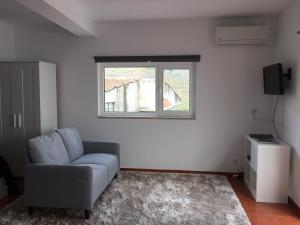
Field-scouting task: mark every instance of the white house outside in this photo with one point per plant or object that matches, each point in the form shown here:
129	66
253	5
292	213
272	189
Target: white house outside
137	95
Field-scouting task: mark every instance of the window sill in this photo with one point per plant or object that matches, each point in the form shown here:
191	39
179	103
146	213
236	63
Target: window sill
147	117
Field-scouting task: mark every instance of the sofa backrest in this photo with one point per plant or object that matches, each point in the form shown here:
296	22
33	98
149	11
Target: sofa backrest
47	149
72	142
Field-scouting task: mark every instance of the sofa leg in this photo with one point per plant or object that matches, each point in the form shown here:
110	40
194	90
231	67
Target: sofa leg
30	210
87	214
116	176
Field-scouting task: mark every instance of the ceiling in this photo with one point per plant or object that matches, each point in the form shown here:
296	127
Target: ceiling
14	13
99	10
79	16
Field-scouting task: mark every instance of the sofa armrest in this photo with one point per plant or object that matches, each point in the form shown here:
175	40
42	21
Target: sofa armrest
59	186
102	147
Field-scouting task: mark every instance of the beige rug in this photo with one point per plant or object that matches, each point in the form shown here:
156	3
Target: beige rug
147	199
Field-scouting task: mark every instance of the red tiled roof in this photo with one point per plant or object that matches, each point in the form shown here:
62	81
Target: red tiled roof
166	103
115	83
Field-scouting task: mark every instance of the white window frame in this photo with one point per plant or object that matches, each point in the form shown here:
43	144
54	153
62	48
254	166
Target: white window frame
159	113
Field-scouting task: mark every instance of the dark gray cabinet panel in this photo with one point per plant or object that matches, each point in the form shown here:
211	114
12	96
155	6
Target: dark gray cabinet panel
31	101
16	148
20	112
6	119
12	109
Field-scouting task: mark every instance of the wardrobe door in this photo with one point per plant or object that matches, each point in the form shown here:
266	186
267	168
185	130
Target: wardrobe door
19	111
7	119
11	99
31	100
26	107
17	147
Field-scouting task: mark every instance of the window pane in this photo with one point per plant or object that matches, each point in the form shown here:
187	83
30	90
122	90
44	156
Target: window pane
130	89
176	89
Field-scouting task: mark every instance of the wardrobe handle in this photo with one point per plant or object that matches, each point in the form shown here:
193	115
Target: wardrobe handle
15	120
20	120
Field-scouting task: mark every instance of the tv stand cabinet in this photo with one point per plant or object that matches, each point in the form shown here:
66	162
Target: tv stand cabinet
266	170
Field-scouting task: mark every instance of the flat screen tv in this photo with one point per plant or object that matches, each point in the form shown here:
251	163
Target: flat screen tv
273	79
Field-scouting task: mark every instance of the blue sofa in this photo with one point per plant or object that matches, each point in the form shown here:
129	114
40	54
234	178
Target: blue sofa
64	172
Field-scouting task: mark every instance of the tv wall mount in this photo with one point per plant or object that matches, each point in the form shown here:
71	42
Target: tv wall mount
288	75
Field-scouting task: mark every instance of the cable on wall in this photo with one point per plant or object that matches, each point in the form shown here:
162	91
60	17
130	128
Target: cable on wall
274	114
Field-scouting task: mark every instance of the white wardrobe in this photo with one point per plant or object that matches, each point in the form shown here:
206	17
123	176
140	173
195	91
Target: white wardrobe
28	107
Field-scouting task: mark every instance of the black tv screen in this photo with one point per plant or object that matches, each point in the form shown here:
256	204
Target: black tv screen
273	79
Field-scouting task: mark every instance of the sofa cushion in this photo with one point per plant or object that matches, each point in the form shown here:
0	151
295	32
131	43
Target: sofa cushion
72	142
99	174
47	149
110	161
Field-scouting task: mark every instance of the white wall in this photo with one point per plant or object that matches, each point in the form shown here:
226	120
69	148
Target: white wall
229	85
6	42
288	52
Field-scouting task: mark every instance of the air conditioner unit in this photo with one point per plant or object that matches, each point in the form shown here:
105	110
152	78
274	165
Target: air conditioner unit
247	35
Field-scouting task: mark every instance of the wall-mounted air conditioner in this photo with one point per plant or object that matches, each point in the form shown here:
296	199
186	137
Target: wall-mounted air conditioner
246	35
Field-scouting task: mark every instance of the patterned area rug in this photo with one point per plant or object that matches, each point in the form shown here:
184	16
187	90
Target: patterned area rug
147	199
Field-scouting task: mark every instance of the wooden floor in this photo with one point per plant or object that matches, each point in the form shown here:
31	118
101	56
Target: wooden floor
258	213
264	213
8	199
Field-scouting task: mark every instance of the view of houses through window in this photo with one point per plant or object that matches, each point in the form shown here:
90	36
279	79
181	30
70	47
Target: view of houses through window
130	89
176	89
133	89
145	89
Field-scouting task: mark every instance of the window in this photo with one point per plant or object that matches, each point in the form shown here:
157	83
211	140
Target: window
130	89
176	86
155	90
